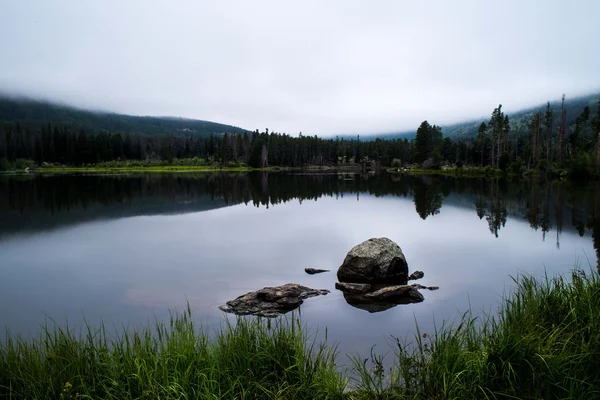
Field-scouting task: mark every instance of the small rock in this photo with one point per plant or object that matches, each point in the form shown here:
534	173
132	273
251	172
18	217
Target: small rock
416	275
312	271
356	288
271	301
398	293
430	164
417	286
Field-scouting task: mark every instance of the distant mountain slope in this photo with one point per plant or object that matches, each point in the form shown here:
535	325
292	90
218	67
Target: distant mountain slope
34	113
519	119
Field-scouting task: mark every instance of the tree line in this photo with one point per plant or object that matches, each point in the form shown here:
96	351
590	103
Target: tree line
53	144
546	145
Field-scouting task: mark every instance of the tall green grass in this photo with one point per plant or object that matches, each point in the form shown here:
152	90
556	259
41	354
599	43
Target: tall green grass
251	359
544	343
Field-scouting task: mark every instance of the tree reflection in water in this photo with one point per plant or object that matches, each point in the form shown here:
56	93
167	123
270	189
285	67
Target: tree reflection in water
42	202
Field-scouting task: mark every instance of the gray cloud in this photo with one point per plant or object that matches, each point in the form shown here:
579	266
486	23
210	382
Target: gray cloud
318	67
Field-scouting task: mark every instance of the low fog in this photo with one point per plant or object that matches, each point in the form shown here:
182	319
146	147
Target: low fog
336	67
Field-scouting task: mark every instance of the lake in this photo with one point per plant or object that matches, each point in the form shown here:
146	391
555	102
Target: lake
128	249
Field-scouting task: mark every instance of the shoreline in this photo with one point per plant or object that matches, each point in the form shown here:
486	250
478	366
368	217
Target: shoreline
467	172
489	356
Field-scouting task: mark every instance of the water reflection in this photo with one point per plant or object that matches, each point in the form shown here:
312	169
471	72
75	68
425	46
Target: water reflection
127	248
36	202
427	196
363	302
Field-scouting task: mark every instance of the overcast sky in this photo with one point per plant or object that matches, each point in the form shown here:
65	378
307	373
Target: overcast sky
320	67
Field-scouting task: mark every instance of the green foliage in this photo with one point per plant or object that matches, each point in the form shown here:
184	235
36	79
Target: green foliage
251	359
542	166
428	138
491	171
19	164
517	167
519	120
497	144
543	344
580	166
596	120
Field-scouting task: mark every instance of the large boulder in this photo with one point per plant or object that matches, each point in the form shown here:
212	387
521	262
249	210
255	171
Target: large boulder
271	301
377	260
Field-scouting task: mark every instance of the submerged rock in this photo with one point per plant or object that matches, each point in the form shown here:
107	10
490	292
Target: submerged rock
353	287
271	301
416	275
312	271
377	260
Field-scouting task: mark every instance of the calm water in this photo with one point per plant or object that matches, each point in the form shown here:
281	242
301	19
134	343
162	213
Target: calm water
127	249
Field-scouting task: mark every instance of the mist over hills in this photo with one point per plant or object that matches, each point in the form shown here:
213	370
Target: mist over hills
518	120
38	113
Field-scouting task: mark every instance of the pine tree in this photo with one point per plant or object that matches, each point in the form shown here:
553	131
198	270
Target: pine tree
534	127
481	140
505	131
596	132
577	138
496	125
423	142
561	131
548	122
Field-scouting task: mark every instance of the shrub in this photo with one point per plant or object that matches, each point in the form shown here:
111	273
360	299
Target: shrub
396	163
580	166
542	166
517	167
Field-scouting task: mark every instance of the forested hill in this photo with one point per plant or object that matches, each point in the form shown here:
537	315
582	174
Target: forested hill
518	120
37	114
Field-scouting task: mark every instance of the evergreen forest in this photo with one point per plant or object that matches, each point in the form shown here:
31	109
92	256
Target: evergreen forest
551	142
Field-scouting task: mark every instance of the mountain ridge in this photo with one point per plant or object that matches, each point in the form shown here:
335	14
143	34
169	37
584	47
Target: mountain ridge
38	113
518	119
